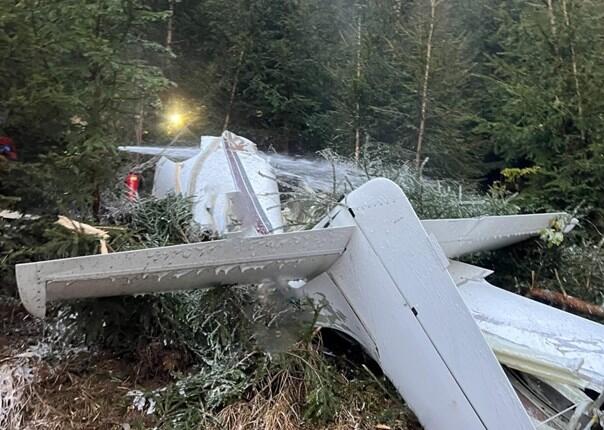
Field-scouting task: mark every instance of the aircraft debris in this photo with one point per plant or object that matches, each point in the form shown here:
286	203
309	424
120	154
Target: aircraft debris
437	328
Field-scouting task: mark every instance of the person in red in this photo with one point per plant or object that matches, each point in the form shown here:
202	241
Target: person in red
133	181
8	148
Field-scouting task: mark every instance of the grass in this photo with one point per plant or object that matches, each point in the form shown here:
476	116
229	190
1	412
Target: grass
301	388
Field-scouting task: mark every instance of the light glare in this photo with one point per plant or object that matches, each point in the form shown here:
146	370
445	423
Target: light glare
176	119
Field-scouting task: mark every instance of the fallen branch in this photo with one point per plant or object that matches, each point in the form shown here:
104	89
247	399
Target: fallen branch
80	227
13	215
565	301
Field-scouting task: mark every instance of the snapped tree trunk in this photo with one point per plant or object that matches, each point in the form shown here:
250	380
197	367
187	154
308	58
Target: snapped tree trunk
564	301
424	86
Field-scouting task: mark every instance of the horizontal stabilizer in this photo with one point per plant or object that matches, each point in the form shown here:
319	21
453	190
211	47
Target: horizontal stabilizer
174	152
463	236
273	258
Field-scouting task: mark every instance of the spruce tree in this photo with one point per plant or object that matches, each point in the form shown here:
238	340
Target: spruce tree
73	75
546	91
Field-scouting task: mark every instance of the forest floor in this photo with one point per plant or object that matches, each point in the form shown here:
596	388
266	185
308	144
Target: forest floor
76	389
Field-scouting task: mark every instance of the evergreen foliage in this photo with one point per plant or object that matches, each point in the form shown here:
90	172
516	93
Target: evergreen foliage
545	92
73	75
24	241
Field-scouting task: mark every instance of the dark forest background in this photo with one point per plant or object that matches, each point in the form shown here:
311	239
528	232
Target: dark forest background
472	86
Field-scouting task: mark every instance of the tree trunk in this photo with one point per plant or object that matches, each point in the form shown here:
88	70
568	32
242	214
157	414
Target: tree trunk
553	27
398	6
170	31
565	301
357	133
227	117
552	18
573	57
424	87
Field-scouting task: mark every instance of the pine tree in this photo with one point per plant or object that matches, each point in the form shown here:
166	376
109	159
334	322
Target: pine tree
74	75
416	84
546	91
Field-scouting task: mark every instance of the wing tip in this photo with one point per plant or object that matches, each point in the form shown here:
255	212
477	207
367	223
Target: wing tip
32	291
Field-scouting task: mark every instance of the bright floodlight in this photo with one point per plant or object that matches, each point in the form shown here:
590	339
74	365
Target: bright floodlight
176	119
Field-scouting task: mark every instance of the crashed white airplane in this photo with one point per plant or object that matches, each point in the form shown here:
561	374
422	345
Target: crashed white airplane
436	327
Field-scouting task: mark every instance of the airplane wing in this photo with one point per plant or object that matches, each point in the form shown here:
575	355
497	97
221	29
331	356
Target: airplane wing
276	258
463	236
